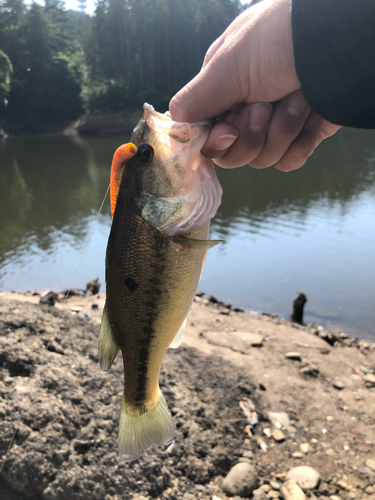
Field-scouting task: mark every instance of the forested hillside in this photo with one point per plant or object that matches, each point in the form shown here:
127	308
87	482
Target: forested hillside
55	64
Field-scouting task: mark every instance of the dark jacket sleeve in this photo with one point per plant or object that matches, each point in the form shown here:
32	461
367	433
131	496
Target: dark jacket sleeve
334	50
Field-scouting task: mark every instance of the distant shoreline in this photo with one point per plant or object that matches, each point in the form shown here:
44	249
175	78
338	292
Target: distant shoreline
100	123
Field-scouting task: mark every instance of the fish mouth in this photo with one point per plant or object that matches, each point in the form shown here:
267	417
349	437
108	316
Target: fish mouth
148	108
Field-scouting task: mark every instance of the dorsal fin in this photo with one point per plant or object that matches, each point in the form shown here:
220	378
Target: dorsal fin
121	156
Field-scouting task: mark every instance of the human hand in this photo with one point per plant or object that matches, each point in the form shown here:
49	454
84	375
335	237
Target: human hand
247	68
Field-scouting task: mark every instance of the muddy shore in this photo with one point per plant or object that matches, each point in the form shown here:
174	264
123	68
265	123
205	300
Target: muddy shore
62	410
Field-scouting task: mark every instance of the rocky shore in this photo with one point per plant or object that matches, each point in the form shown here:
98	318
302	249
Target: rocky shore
264	408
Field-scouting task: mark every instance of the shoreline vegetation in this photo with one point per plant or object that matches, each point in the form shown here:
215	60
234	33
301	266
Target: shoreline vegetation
58	65
244	388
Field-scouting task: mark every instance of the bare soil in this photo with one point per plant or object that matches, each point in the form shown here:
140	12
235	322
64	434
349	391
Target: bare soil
63	410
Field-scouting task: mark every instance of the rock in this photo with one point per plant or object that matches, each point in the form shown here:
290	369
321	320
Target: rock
304	447
338	385
307	477
48	298
297	454
278	435
76	309
94	306
334	497
93	286
248	454
296	356
273	494
265	487
370	463
370	489
259	494
241	480
309	371
343	485
369	379
281	420
275	485
291	491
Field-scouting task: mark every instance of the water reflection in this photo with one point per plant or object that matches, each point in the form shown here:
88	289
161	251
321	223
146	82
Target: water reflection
312	229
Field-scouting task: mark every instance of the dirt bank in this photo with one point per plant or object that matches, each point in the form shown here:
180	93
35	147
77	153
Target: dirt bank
65	409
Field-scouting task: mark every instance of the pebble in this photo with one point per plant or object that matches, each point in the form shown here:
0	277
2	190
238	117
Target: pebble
241	480
254	339
296	356
275	485
280	419
334	497
278	435
309	371
297	454
370	489
370	463
307	477
259	494
265	487
273	494
343	484
370	379
248	454
291	491
338	385
329	418
304	447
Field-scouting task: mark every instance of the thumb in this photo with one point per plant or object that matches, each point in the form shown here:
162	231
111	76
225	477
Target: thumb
214	90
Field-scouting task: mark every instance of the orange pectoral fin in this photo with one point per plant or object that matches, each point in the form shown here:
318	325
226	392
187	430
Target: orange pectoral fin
121	156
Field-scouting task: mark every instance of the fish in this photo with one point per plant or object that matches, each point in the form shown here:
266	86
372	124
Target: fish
163	194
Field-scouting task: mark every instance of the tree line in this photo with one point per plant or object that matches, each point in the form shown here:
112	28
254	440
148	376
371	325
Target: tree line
55	64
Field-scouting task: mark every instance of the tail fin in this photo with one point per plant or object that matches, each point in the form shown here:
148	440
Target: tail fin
143	427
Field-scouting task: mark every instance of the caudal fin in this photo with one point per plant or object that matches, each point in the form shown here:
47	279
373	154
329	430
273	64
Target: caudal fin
143	427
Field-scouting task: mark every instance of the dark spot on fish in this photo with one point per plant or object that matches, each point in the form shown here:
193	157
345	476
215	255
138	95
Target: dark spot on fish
131	284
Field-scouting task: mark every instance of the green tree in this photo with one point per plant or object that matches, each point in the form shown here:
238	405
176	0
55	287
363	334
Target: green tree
44	92
6	71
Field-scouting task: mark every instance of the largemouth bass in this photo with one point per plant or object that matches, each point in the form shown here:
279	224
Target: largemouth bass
163	194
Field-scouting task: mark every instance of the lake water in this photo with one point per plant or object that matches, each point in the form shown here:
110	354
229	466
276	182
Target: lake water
312	230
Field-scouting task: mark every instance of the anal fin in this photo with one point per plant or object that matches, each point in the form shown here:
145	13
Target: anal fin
108	346
176	342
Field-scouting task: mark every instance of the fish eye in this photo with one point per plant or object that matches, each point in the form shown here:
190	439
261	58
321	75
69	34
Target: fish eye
146	153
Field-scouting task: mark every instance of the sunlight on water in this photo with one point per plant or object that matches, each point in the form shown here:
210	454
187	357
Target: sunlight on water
312	230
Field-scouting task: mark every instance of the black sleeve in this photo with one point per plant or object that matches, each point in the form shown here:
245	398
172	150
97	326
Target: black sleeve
334	50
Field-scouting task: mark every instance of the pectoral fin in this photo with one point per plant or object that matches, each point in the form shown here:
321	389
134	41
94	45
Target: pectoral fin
108	346
196	244
176	342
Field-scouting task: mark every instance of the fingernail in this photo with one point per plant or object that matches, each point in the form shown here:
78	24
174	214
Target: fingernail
311	121
223	142
297	106
260	115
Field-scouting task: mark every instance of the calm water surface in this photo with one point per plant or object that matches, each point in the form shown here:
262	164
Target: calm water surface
311	230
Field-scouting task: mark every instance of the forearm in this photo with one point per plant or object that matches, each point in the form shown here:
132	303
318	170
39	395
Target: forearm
334	50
